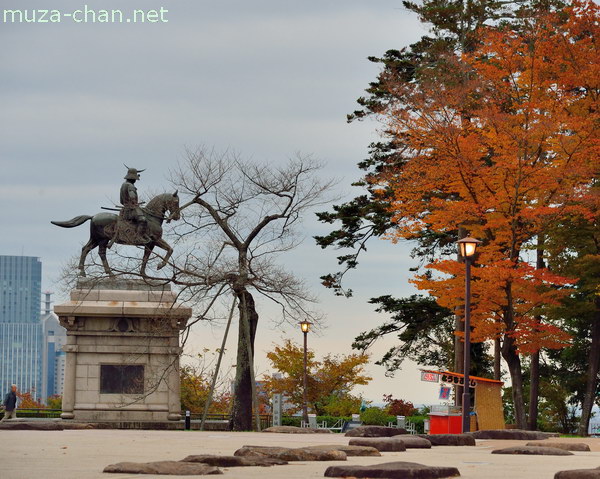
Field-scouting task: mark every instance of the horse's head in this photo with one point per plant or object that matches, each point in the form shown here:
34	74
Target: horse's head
173	206
160	204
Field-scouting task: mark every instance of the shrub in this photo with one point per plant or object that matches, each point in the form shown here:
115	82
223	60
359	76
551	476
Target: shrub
424	411
291	421
419	422
398	407
341	405
28	401
375	416
54	402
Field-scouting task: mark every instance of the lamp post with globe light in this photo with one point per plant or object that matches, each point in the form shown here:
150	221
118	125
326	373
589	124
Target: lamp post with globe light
467	248
305	327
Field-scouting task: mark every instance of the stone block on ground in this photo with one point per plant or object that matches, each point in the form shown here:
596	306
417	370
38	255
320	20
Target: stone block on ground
296	430
349	450
567	446
578	474
376	431
392	470
171	468
516	434
234	461
382	444
31	426
291	454
414	442
449	439
533	450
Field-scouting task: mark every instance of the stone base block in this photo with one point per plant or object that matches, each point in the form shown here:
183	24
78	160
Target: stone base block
112	416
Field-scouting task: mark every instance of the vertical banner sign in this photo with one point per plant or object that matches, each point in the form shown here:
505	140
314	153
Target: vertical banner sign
445	392
277	409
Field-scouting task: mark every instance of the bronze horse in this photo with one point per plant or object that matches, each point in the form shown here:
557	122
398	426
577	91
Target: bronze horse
108	228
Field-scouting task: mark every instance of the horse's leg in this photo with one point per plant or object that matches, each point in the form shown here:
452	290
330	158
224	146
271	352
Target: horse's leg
102	253
89	246
147	251
161	243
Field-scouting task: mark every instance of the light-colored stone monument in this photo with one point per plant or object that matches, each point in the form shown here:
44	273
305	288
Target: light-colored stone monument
122	351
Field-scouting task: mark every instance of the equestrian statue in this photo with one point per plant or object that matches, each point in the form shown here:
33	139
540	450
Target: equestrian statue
134	225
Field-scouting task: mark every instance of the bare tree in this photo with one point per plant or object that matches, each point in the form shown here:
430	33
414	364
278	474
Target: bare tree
239	217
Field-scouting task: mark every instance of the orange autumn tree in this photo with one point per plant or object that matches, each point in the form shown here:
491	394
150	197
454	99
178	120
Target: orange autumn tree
500	142
195	382
195	389
330	380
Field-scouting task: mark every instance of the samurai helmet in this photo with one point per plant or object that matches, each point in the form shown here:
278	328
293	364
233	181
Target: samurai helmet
132	173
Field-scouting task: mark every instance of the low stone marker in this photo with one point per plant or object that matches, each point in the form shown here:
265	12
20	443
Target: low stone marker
292	454
171	468
518	434
376	431
579	474
532	450
567	446
449	439
234	461
349	450
392	470
296	430
382	444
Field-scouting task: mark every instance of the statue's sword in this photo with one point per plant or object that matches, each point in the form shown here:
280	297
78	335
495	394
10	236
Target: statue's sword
119	208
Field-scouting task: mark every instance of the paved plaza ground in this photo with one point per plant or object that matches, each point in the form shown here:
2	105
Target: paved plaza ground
82	454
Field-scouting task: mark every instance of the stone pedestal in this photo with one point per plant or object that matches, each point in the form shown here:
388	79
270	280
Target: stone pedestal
122	351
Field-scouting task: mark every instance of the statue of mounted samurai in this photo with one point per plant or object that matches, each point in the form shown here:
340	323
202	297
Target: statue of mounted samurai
134	225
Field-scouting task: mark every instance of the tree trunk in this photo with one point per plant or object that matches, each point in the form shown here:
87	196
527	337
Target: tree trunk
241	416
509	353
534	388
513	361
534	376
592	374
497	358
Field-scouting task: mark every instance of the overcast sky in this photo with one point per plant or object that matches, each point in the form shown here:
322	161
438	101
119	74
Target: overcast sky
267	78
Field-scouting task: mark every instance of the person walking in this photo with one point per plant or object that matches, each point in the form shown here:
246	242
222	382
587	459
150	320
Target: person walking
10	404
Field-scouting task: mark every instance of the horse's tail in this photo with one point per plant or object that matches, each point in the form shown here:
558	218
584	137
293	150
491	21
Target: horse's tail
78	220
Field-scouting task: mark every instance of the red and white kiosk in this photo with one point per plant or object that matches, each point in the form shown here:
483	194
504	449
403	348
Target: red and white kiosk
488	411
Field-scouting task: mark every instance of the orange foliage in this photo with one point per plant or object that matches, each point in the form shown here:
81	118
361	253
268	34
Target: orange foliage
508	143
333	376
26	401
195	388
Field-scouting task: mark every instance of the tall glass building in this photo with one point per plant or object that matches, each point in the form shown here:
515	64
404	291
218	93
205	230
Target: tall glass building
53	357
20	325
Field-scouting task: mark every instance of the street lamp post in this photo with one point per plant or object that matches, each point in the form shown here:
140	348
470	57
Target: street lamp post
467	247
305	327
